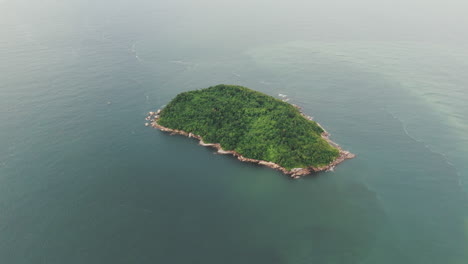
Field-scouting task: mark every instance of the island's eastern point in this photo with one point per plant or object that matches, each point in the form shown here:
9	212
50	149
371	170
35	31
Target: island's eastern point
252	126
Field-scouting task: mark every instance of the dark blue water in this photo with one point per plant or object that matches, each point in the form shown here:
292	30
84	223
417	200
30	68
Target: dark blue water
83	181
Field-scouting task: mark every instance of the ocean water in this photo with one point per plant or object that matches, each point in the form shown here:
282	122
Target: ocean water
83	181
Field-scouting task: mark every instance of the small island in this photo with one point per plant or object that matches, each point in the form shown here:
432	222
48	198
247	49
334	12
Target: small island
252	126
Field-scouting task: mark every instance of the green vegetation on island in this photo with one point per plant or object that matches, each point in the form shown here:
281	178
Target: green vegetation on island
255	125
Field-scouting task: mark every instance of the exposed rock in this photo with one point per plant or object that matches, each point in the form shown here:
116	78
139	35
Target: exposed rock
209	144
221	151
294	173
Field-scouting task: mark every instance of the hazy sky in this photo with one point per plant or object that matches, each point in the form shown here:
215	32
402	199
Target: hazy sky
410	20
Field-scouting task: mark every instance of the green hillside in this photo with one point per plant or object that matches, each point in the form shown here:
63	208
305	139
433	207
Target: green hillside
254	124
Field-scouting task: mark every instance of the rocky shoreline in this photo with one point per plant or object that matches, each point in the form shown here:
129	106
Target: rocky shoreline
153	117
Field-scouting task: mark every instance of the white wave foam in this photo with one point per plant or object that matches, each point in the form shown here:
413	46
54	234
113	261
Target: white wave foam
133	50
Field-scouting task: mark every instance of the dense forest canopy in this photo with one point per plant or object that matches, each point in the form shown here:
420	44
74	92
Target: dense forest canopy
254	124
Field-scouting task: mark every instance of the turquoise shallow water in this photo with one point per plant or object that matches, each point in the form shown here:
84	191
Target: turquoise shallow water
83	181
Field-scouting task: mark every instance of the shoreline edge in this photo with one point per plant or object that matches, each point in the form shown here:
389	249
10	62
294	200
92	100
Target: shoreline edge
295	173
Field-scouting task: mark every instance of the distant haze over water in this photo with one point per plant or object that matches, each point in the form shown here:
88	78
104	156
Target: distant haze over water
83	181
